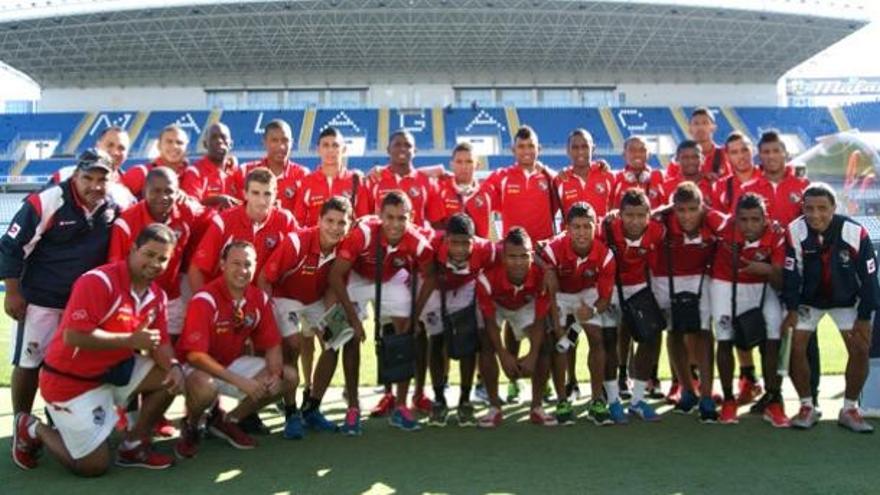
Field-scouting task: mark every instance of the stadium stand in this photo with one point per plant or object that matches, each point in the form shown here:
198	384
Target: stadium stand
806	123
54	126
863	116
192	123
554	124
418	121
361	123
247	126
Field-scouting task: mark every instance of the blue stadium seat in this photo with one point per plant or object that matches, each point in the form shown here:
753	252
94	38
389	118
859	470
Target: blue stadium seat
724	127
554	124
482	121
418	121
38	126
361	123
647	120
102	121
863	116
806	123
46	167
192	122
247	127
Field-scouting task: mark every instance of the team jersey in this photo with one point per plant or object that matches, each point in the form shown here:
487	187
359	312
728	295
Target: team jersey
576	273
596	189
469	200
101	298
523	199
298	269
234	224
785	200
218	325
727	191
135	178
708	166
205	179
494	288
359	247
454	276
634	257
770	248
422	191
690	254
651	181
317	188
289	182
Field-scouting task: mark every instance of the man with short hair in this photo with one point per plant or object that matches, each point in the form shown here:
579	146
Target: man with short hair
173	142
638	174
727	190
830	268
96	362
113	141
701	127
57	235
208	180
460	191
689	157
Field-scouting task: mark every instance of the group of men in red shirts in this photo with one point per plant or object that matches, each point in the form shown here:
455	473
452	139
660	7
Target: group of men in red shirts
222	275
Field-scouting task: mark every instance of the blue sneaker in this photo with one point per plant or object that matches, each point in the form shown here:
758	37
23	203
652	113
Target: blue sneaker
708	413
615	409
293	427
644	410
352	424
403	418
686	403
314	420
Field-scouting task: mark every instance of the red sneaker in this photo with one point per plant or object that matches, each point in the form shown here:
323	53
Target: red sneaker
122	422
232	433
384	407
728	413
492	418
188	444
143	456
774	414
422	404
748	391
674	394
539	416
25	448
163	428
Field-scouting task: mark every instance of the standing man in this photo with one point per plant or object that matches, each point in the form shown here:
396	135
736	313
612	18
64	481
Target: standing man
638	174
173	142
460	192
702	127
208	180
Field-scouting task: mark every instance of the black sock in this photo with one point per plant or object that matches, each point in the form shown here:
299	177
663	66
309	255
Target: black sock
621	372
695	372
311	404
440	393
728	392
654	374
290	410
748	372
465	395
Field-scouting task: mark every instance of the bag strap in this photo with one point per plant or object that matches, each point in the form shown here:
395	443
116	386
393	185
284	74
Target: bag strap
614	251
734	269
355	185
377	302
553	199
730	193
667	242
716	161
414	283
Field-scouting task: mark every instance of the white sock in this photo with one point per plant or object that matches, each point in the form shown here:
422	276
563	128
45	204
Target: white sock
612	390
807	401
32	429
849	404
638	392
130	444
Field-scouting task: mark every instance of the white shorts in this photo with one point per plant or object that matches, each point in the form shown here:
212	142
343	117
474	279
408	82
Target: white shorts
568	304
455	300
396	296
246	366
176	315
32	336
519	319
294	317
611	318
86	420
686	283
808	317
748	296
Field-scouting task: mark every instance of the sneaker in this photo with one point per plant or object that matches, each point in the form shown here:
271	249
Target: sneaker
728	413
164	429
480	393
539	416
439	415
513	392
492	418
761	404
852	420
316	421
25	448
748	391
293	427
686	403
403	418
573	392
384	407
188	444
806	418
143	456
653	389
564	413
708	413
774	414
465	415
618	416
623	384
644	410
253	425
674	395
352	424
422	403
232	433
597	411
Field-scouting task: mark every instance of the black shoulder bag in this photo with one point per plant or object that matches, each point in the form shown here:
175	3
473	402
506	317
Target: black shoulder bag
641	313
395	353
459	327
684	305
716	161
749	328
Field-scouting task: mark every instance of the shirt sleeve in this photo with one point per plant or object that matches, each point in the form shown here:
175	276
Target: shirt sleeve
484	297
352	245
192	184
120	241
791	276
869	292
605	279
160	321
20	238
266	335
196	334
134	180
207	253
90	301
435	211
542	305
282	259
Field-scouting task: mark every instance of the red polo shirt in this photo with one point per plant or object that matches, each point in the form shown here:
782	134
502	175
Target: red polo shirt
421	189
575	273
204	179
359	247
651	181
483	255
523	200
690	255
770	248
595	190
472	202
317	188
634	255
785	200
135	178
708	165
727	190
298	269
494	288
289	181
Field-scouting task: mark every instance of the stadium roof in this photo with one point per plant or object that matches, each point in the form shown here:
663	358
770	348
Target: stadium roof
217	43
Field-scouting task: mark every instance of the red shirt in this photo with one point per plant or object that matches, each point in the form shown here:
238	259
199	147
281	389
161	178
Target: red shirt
359	247
575	273
421	189
494	288
635	256
727	190
136	177
101	298
770	248
523	199
289	182
213	327
317	188
708	165
204	179
483	255
186	216
671	183
651	181
595	190
785	200
298	269
690	255
234	224
475	204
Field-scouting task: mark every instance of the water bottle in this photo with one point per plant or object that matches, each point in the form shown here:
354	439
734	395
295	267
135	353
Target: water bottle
570	337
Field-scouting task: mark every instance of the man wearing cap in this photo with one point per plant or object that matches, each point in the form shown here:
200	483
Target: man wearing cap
57	235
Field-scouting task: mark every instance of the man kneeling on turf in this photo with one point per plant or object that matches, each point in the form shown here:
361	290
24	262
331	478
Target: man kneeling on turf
512	292
220	319
93	365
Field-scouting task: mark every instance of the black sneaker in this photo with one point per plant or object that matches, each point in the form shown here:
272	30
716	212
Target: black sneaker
654	390
762	403
466	415
253	425
439	415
